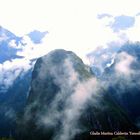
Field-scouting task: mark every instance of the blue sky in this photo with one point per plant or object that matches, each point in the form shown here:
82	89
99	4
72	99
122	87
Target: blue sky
122	23
37	36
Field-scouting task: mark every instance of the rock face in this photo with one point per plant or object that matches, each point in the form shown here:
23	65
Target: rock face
14	78
12	102
123	78
66	102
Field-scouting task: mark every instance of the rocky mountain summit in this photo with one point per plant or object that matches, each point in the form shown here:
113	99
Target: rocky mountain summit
66	102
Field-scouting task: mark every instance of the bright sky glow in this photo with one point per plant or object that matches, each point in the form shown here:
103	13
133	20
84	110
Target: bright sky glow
72	24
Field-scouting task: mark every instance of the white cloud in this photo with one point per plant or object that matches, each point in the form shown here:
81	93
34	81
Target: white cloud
72	25
31	50
13	44
10	70
124	64
74	94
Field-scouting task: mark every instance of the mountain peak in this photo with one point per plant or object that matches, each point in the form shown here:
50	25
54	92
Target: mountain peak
64	98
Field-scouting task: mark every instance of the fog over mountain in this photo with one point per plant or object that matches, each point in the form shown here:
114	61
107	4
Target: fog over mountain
122	79
15	76
66	101
56	96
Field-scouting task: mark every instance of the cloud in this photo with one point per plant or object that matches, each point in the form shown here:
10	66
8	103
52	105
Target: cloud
10	70
32	50
10	113
100	16
121	78
103	57
76	102
69	26
69	103
17	55
138	14
13	44
123	65
72	25
125	29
